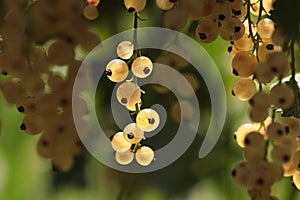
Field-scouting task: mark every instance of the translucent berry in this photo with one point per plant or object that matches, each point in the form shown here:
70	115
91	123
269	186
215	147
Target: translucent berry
90	12
124	158
142	67
282	96
144	156
128	94
244	64
116	70
119	143
125	50
147	119
244	89
132	133
207	31
165	4
134	5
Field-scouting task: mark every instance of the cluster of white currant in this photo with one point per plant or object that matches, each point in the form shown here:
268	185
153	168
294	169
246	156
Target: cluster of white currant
37	38
270	144
127	143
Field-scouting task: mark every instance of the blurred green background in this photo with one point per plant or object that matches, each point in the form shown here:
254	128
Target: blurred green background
26	176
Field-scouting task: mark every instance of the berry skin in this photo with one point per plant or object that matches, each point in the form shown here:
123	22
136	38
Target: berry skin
142	67
124	158
296	160
278	63
258	115
144	156
260	100
244	89
264	73
265	28
207	31
281	154
175	19
128	94
134	5
90	12
147	120
125	50
275	131
165	4
119	143
282	96
116	70
133	134
292	126
244	64
241	174
232	29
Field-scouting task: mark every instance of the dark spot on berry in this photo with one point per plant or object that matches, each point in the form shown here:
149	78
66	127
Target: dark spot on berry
281	100
124	101
151	121
231	1
247	141
274	69
172	1
111	137
23	127
221	17
235	72
45	143
237	29
202	36
236	12
60	129
108	72
285	158
233	173
4	73
298	165
146	70
232	42
21	109
131	9
229	49
279	132
259	181
270	46
63	102
287	129
232	92
130	136
234	136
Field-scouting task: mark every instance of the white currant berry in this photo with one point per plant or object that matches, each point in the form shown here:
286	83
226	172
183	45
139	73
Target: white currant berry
125	50
144	156
147	120
119	143
116	70
142	67
124	158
